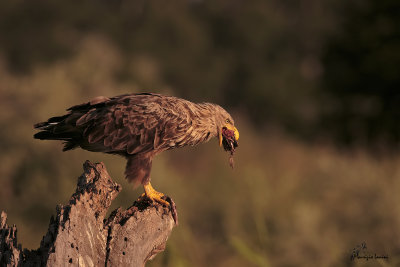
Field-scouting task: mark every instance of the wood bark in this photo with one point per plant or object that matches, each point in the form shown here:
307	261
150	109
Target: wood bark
80	235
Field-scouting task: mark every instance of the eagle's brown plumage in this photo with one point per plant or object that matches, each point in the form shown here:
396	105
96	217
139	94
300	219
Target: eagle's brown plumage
138	127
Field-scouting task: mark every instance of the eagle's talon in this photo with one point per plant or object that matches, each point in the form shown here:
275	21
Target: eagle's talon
154	195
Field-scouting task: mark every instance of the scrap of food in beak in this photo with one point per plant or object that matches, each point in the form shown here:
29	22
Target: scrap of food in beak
229	142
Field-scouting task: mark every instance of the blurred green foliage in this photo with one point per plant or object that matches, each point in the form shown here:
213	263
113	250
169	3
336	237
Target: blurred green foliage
288	71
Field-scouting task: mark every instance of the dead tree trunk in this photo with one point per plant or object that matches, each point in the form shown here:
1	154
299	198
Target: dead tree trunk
81	236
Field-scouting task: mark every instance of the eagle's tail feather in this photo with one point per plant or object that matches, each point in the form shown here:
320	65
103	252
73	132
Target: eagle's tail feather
49	135
68	137
50	122
55	128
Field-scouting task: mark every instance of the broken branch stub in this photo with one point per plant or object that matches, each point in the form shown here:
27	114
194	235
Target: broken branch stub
80	234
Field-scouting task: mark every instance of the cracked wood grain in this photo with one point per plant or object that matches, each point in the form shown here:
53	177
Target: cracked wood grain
80	235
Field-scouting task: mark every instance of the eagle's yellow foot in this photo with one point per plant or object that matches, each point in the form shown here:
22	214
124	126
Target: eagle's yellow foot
154	195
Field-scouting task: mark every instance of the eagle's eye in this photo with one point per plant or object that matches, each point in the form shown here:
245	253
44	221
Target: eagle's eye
227	121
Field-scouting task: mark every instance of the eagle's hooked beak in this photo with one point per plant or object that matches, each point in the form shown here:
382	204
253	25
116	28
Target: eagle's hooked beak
231	128
236	132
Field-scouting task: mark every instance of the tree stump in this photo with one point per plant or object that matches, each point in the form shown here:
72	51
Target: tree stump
80	235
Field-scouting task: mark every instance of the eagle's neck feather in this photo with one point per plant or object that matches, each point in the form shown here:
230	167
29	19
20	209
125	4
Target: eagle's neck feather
204	122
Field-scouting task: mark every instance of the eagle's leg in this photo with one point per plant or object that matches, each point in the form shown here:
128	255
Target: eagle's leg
154	195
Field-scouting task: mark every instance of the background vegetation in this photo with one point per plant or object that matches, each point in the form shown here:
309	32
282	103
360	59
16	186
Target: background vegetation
313	86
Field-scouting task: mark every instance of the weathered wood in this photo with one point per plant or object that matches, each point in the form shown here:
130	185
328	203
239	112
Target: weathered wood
80	235
9	250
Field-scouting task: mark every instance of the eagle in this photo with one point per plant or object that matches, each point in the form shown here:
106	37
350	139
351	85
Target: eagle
139	127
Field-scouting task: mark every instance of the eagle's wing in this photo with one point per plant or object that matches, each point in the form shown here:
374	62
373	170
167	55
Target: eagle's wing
133	124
